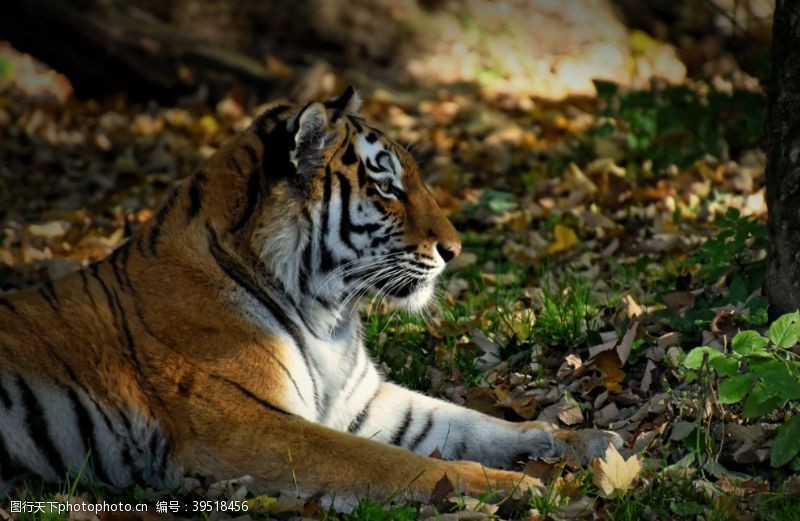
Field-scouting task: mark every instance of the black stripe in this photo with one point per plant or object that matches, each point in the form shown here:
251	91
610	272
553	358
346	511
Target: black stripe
5	397
126	257
424	432
362	174
233	163
354	120
154	450
361	417
401	195
349	157
397	439
10	470
326	256
113	258
324	408
419	265
88	432
48	285
195	195
252	155
126	332
366	228
305	268
361	377
239	274
86	289
140	245
372	137
133	461
340	103
253	195
8	305
249	394
48	293
278	143
38	430
120	321
344	217
461	449
158	221
270	115
378	169
382	239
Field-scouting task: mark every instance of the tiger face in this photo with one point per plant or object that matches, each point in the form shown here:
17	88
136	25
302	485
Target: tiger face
368	222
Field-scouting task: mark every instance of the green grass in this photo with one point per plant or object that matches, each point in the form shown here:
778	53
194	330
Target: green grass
370	510
567	313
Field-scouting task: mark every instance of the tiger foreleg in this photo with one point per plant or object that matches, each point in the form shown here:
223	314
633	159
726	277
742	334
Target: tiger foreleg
423	424
292	456
302	459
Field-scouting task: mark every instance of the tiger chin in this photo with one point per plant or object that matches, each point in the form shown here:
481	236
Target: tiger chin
224	337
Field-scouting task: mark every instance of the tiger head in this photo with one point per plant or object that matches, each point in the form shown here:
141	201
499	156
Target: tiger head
352	214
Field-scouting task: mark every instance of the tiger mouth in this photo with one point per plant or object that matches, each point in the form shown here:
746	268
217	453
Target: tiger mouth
390	285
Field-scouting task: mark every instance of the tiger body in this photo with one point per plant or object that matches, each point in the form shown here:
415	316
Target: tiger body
224	337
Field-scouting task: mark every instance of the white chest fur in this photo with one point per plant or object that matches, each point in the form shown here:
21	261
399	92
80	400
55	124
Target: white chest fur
328	381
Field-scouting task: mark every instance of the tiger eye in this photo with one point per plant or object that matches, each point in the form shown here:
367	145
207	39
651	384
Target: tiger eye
385	185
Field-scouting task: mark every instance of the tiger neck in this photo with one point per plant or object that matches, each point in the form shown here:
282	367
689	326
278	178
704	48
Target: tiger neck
289	247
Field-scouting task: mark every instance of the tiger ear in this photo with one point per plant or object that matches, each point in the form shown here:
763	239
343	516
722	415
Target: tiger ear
311	130
349	102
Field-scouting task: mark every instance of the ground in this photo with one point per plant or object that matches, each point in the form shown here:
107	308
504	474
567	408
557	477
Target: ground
604	240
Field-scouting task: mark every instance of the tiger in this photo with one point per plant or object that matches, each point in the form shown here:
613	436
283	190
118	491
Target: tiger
224	337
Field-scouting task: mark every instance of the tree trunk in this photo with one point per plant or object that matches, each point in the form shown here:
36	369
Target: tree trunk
782	130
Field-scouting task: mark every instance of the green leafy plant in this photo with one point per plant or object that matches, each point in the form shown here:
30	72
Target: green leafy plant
730	267
679	124
764	374
737	249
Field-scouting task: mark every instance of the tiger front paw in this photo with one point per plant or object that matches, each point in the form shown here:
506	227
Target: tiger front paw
471	477
586	444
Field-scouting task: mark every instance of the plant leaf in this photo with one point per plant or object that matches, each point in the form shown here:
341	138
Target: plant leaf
614	475
695	357
724	365
760	401
733	389
747	342
787	443
781	382
785	331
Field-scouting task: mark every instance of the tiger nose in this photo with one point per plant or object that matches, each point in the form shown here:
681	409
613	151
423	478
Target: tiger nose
448	251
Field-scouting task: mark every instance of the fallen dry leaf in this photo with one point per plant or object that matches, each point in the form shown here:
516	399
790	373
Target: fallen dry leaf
614	475
626	344
609	365
542	468
564	240
441	491
632	308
